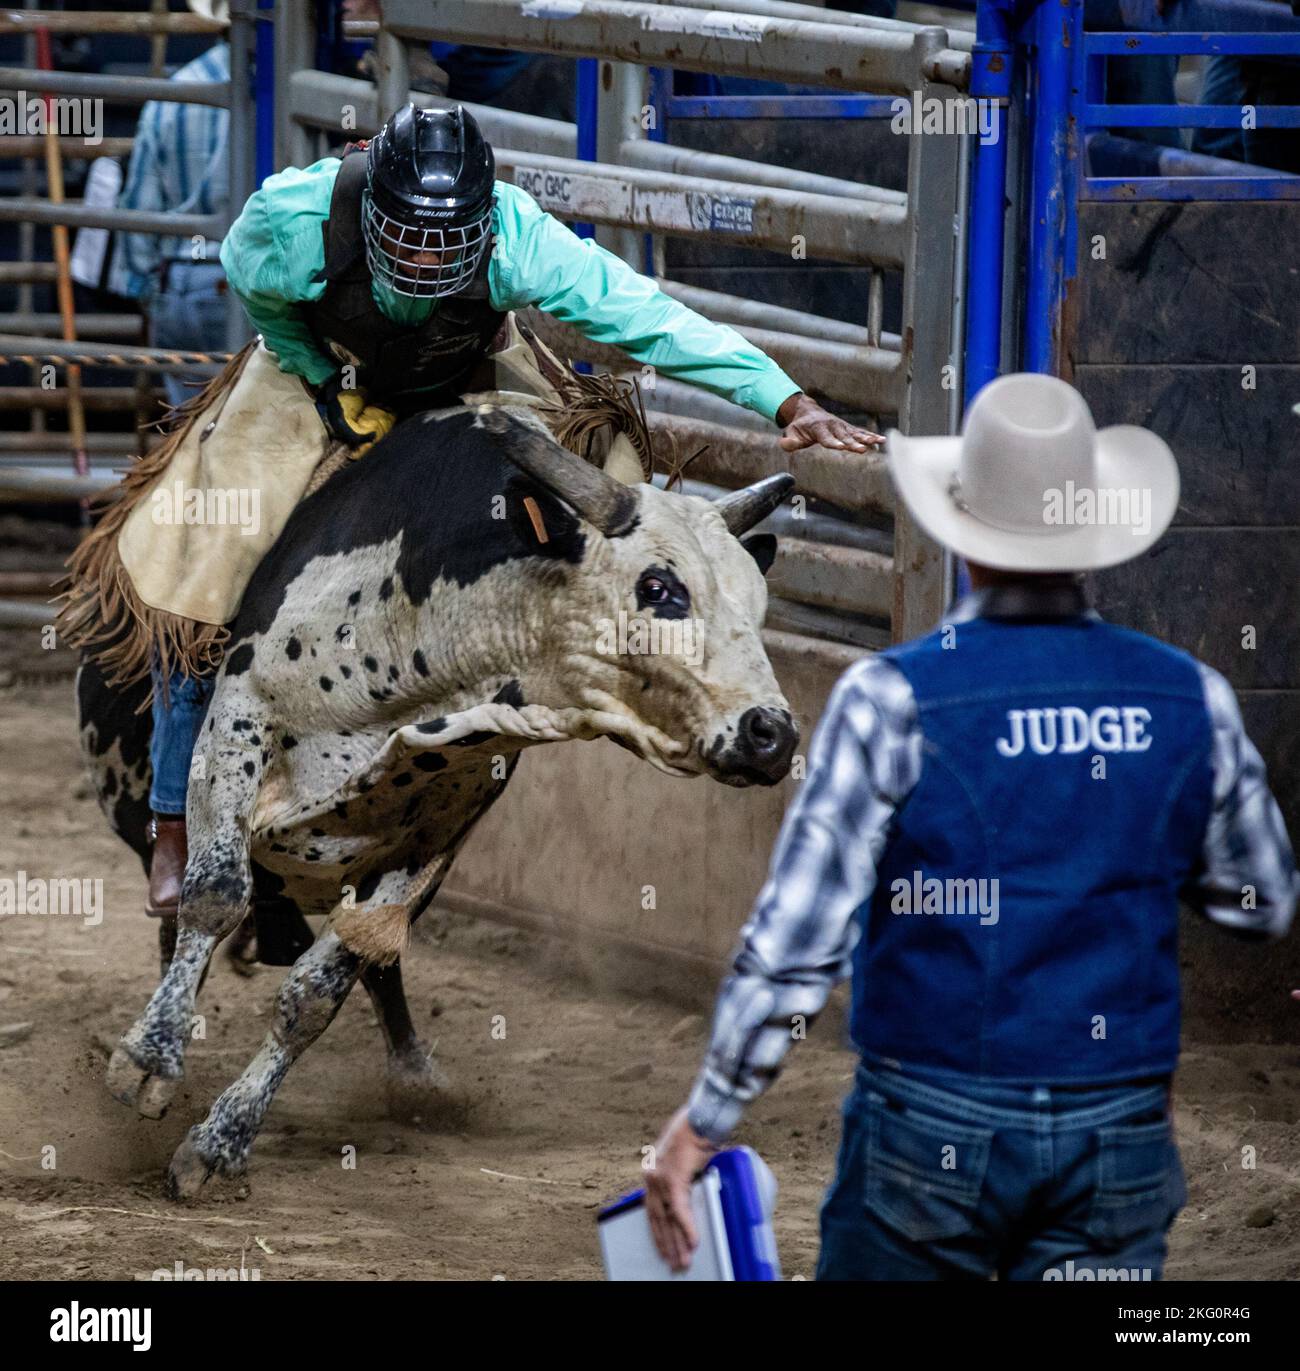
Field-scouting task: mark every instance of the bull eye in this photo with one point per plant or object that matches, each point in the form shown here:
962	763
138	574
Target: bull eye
658	589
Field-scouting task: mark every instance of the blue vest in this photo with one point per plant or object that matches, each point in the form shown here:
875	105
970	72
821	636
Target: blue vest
1069	762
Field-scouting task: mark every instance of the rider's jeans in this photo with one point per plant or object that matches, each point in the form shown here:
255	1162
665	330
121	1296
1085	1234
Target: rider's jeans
972	1180
176	724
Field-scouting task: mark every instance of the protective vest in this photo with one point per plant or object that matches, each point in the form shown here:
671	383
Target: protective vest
1024	925
404	366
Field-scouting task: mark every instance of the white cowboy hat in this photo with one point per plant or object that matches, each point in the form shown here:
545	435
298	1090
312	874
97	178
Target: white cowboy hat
218	10
1031	485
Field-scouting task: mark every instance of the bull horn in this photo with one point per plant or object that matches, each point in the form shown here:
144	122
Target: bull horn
602	501
742	509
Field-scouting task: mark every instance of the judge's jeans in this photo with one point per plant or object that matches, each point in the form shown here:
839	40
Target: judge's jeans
176	724
970	1180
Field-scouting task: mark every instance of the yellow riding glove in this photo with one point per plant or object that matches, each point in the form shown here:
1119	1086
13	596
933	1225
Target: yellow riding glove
351	418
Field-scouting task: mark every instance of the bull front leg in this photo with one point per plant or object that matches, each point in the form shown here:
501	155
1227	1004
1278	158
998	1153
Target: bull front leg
310	997
415	1081
149	1064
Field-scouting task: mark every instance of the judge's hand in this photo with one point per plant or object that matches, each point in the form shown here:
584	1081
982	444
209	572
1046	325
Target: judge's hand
806	422
679	1156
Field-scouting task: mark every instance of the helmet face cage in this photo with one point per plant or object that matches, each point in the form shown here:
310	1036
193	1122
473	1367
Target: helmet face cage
392	245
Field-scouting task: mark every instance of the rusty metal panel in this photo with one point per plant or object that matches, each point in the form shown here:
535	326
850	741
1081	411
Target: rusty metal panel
721	42
920	566
832	227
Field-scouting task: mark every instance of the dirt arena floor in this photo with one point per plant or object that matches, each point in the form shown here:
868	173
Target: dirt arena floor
538	1131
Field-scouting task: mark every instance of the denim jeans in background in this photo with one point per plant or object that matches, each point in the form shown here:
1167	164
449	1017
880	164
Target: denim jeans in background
176	725
1025	1183
189	314
1223	82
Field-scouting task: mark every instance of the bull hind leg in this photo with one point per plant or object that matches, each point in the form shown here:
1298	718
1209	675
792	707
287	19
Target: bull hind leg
149	1064
416	1084
415	1081
306	1005
116	728
310	997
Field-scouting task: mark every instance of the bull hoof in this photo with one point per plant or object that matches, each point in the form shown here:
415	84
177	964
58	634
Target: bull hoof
124	1077
188	1172
193	1165
417	1086
136	1086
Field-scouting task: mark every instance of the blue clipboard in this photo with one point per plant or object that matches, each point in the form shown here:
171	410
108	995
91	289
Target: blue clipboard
733	1200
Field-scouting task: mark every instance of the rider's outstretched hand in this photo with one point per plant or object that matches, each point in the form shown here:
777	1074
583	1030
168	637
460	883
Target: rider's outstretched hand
806	423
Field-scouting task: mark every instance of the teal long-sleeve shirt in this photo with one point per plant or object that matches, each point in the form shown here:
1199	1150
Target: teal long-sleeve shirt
274	257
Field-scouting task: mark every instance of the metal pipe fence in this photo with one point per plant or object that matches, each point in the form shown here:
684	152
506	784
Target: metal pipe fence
22	340
832	227
630	186
736	309
19	348
720	42
104	22
21	209
24	614
1068	65
20	485
121	90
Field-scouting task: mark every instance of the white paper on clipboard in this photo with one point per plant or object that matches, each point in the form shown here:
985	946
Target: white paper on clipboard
629	1251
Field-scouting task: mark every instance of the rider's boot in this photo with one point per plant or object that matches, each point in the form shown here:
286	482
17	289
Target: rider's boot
166	866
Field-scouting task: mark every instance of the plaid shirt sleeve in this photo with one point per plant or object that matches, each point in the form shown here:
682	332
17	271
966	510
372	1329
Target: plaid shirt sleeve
864	760
139	255
178	163
1248	879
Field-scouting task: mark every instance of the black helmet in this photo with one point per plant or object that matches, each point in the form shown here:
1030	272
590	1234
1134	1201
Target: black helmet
429	178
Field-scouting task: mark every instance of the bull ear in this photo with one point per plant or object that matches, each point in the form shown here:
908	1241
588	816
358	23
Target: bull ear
762	548
525	440
742	509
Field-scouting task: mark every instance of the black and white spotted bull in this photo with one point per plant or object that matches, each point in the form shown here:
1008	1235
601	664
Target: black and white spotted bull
469	588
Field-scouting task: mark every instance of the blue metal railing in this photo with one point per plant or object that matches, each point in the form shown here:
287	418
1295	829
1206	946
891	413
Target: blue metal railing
1186	177
264	90
992	79
758	100
587	112
1065	106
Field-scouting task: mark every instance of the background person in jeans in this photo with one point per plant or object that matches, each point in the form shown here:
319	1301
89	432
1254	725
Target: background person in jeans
1011	1109
179	165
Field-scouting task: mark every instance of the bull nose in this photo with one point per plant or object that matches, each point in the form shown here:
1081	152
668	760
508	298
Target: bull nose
765	739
